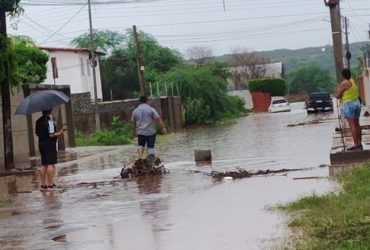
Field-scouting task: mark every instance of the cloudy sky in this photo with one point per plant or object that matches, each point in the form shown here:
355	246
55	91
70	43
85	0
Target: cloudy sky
181	24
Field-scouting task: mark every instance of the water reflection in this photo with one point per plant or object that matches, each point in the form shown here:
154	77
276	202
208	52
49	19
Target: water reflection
69	170
153	207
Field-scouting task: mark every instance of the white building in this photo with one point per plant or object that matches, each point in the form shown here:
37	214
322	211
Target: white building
71	66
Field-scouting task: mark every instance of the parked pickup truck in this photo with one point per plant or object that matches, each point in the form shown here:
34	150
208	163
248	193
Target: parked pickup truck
319	101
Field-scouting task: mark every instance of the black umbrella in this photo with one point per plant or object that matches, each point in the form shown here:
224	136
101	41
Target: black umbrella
40	101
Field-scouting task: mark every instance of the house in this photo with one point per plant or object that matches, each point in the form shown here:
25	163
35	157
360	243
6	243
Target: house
71	66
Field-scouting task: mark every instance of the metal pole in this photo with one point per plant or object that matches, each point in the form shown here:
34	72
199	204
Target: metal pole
165	86
151	91
93	64
177	88
157	89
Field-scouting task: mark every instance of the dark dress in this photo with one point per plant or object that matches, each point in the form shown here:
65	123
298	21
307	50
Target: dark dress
47	144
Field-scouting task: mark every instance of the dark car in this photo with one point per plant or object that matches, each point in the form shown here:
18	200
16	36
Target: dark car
319	101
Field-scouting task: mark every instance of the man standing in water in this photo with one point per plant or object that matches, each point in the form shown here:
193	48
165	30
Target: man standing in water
46	131
144	118
348	94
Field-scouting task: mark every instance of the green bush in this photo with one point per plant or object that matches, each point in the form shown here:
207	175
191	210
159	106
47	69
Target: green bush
204	93
196	111
275	87
120	134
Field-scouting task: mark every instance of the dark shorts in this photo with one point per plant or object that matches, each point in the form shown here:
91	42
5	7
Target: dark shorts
48	153
145	139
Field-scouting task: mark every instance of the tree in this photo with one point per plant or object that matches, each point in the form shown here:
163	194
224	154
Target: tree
247	66
204	93
119	75
104	40
31	61
200	55
310	79
119	71
13	8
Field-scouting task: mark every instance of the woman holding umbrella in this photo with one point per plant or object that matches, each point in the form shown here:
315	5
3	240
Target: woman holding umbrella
44	101
46	131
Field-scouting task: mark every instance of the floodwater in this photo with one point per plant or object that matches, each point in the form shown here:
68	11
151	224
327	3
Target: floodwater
184	209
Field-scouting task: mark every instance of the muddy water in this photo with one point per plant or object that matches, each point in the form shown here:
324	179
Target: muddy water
182	210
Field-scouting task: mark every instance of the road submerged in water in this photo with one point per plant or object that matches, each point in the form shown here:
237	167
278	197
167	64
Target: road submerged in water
184	209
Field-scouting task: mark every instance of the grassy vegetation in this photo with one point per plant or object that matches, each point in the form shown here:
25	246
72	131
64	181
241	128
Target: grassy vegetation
336	220
119	134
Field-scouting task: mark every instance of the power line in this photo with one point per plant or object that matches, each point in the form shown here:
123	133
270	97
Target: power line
65	24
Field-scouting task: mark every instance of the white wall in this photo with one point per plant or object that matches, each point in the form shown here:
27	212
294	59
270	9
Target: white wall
70	72
367	86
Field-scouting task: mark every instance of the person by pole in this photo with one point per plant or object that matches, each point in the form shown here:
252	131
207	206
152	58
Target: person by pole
348	94
47	133
144	118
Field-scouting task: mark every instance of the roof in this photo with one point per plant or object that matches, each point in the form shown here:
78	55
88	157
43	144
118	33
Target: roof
76	50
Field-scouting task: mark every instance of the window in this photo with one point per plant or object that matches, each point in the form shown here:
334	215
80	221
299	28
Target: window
88	67
278	101
82	66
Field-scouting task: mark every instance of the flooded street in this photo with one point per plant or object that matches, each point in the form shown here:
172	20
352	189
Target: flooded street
182	210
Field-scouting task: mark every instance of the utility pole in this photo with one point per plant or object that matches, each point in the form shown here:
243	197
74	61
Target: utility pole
337	36
346	46
5	98
93	64
140	67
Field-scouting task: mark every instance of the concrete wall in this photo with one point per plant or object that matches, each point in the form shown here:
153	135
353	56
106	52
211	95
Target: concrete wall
360	84
366	83
74	70
20	131
169	109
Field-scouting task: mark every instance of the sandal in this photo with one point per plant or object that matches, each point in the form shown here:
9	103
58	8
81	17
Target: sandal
354	148
52	186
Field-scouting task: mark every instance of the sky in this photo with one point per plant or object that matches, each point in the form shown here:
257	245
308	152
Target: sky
222	25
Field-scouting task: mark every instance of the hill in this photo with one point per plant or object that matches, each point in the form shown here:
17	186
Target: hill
321	56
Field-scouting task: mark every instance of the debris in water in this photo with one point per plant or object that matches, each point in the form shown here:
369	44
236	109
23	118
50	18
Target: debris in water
60	238
315	121
308	177
242	173
151	165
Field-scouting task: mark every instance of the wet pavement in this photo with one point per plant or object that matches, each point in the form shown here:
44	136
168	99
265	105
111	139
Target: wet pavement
181	210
